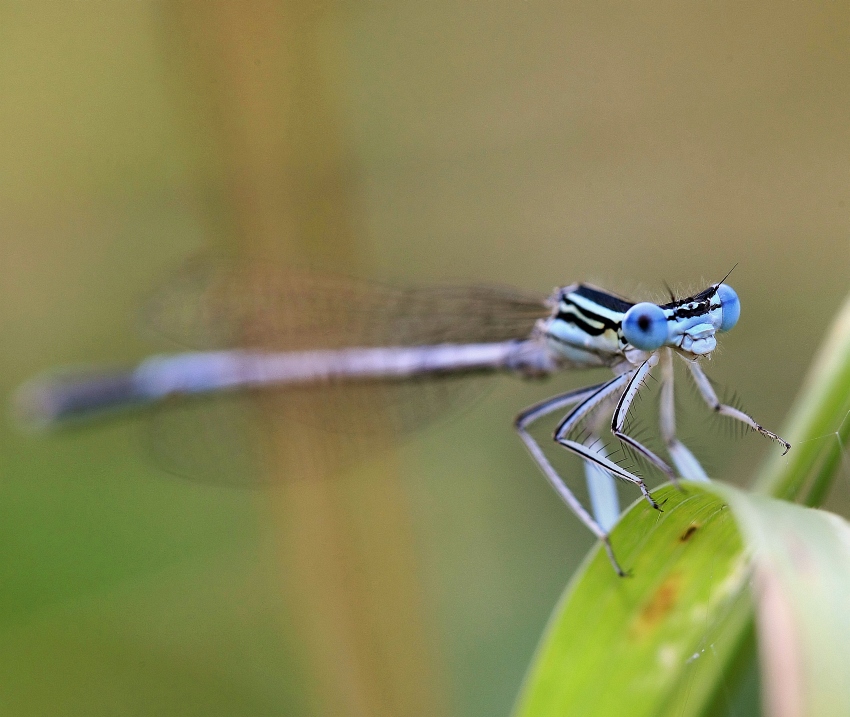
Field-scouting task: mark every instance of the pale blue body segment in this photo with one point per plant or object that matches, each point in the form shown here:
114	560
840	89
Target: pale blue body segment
579	327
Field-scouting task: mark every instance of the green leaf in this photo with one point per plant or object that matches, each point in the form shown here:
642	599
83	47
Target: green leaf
802	588
818	424
661	641
656	642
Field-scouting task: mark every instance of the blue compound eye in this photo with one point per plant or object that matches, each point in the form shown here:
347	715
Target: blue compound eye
730	307
645	326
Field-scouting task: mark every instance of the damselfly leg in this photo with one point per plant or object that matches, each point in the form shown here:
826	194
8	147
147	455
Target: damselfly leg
618	421
685	461
589	400
707	392
567	426
545	408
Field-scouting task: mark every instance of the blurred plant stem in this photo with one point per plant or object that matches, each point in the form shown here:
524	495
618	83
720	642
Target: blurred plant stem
276	176
818	427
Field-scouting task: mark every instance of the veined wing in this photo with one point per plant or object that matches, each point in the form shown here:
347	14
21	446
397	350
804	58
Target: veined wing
215	304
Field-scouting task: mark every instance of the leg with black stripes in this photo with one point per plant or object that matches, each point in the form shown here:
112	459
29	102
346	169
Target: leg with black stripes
615	386
544	408
618	420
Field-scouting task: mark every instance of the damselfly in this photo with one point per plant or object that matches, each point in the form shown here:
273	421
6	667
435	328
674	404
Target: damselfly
297	335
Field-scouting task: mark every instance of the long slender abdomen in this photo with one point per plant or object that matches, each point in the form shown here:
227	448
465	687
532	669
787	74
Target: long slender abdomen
59	398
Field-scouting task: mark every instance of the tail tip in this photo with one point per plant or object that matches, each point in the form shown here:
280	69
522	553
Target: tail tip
34	406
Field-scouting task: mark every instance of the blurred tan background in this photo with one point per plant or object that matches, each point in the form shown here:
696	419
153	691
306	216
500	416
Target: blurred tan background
525	143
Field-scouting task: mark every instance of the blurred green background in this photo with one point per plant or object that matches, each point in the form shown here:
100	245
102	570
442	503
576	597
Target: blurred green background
526	143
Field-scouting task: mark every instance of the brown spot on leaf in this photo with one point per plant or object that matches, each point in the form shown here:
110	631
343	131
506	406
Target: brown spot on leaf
686	536
660	604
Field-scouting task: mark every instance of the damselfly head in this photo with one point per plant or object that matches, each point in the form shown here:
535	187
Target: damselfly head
687	324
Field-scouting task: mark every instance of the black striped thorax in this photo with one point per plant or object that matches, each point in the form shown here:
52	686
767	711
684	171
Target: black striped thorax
585	328
592	310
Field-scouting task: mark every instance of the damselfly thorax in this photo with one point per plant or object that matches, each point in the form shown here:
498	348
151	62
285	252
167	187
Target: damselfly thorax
312	344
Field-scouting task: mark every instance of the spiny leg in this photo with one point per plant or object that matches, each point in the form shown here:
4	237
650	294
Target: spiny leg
592	402
685	461
532	414
618	420
710	397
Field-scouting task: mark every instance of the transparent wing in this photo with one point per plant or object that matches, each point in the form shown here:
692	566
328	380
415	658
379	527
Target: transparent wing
250	436
212	303
254	437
